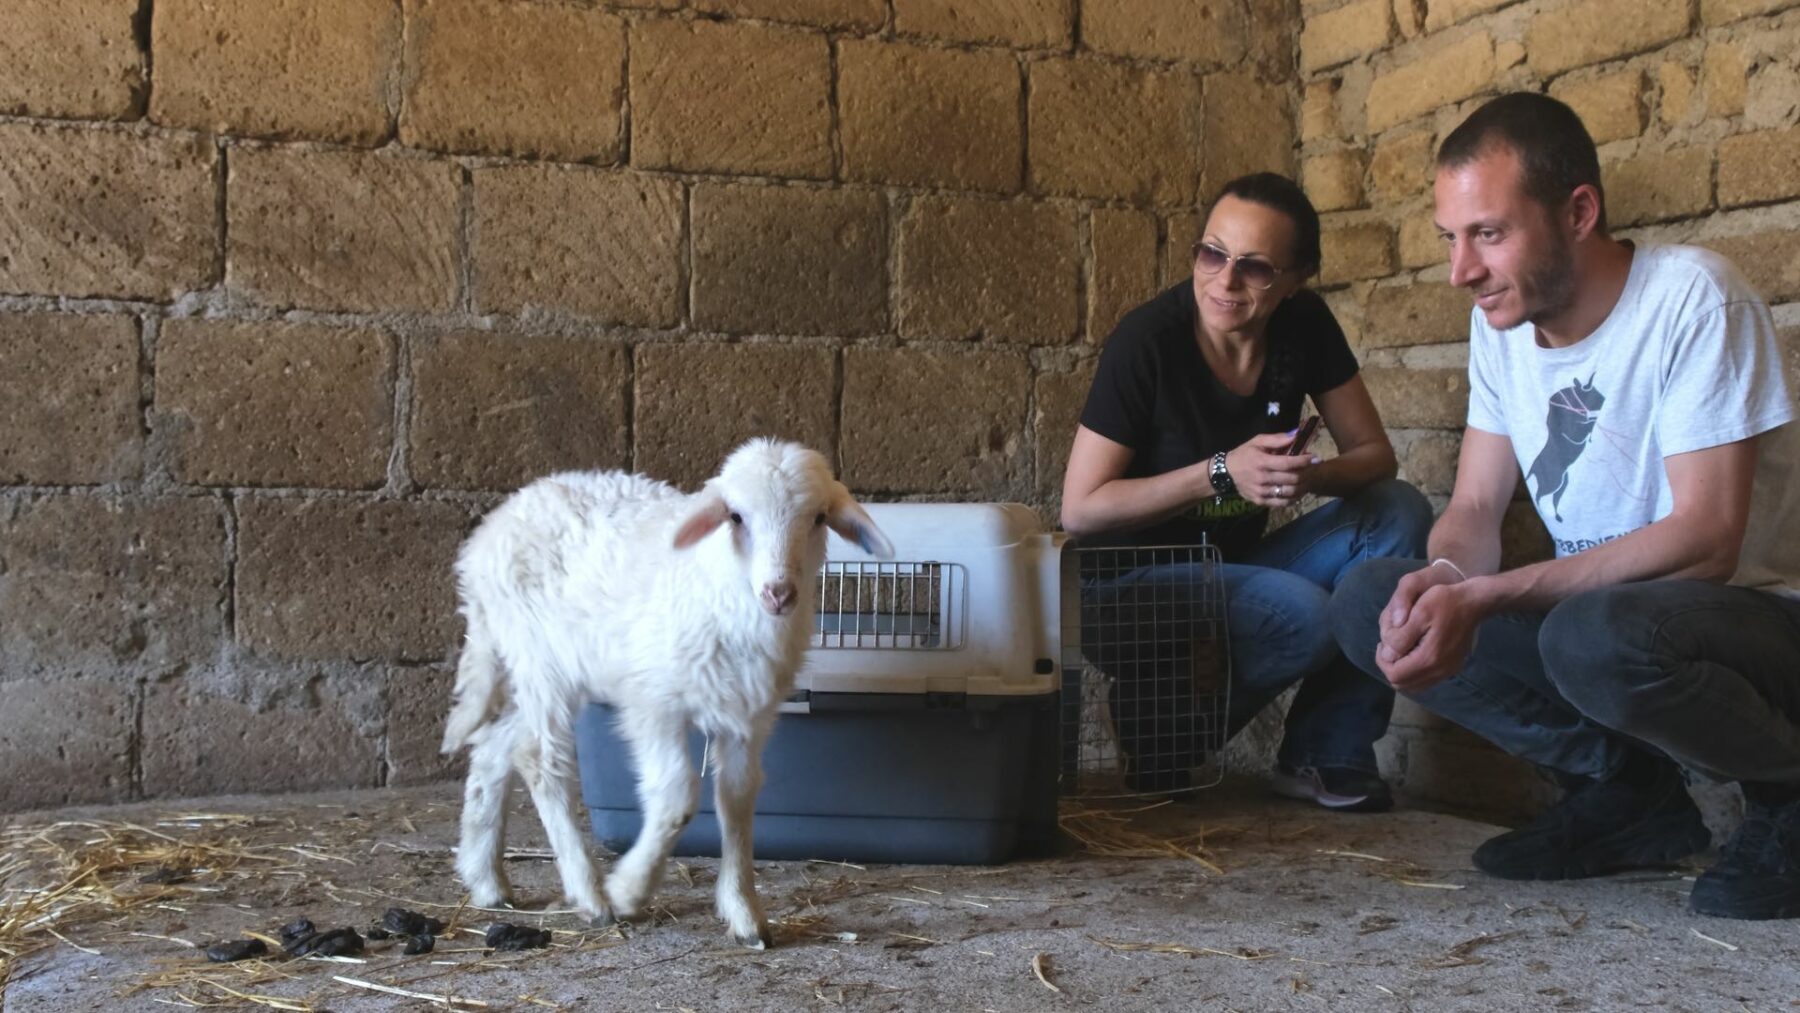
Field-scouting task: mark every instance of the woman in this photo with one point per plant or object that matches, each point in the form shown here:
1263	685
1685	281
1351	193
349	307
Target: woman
1185	436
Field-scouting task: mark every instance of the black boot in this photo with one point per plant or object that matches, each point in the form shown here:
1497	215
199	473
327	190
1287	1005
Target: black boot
1757	875
1638	817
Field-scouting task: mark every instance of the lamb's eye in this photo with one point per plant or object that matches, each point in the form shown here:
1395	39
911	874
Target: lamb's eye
737	518
818	520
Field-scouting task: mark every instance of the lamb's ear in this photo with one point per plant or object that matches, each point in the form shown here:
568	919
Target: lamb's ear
852	523
704	516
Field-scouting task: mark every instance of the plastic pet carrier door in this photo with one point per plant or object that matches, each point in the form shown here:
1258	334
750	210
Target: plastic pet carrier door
1146	670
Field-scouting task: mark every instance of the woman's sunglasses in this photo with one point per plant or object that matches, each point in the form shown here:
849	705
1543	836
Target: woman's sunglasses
1258	274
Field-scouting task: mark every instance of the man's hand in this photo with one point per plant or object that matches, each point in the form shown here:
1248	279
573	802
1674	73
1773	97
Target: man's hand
1427	628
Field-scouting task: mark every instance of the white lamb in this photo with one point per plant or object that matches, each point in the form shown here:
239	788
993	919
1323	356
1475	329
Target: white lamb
676	610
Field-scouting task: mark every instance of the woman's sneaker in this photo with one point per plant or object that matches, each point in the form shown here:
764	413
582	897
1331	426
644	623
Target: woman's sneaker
1757	875
1339	788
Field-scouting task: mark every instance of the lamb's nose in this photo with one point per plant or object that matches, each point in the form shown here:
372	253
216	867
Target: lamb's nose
778	596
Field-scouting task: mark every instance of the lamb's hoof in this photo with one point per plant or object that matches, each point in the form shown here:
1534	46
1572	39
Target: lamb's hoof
491	899
624	907
760	940
598	914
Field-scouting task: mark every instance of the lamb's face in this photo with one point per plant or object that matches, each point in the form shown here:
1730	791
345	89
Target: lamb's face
780	544
775	502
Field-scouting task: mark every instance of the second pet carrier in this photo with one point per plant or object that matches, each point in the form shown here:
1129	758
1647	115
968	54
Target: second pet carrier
1146	670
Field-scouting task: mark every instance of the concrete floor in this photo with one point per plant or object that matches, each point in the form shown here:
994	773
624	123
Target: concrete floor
1312	911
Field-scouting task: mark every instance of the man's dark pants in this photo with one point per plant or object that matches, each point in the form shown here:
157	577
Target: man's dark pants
1705	674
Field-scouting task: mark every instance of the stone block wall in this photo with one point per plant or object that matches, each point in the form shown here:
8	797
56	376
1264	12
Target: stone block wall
1695	106
291	291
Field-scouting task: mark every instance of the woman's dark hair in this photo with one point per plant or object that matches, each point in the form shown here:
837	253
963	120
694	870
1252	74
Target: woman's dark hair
1279	193
1556	153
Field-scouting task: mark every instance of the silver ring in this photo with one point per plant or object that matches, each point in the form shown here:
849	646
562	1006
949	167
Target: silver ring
1278	490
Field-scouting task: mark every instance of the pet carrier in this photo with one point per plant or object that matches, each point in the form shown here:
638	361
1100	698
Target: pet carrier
1146	670
923	727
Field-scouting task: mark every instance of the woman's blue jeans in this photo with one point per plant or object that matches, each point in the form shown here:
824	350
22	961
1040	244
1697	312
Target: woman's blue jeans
1279	634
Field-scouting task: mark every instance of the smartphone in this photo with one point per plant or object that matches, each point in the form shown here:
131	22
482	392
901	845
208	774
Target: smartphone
1303	436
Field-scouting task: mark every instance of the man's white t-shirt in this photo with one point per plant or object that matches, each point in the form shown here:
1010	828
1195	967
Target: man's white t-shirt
1688	359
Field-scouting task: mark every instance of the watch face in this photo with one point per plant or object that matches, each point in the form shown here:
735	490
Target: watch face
1222	483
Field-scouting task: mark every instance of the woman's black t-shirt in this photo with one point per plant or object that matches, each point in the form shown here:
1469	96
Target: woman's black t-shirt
1154	393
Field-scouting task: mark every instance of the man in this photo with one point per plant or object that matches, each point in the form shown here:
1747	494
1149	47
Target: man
1639	390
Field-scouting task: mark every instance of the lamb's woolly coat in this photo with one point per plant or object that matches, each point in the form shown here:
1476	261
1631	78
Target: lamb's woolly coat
615	587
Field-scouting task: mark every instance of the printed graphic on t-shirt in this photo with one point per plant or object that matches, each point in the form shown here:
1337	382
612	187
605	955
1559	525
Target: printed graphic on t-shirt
1574	411
1214	510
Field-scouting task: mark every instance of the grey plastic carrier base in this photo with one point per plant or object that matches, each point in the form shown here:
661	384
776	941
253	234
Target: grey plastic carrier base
867	778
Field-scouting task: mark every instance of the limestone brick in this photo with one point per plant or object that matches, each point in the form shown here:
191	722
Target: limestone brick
75	59
1659	186
1356	29
1029	24
65	743
1611	106
69	392
940	421
1353	251
318	69
342	230
923	116
495	411
1007	271
514	79
1423	313
789	260
275	403
597	244
1248	128
730	97
1450	73
1124	272
1109	130
697	402
855	15
1210	32
348	579
102	213
111	586
1419	398
1334	180
1590	31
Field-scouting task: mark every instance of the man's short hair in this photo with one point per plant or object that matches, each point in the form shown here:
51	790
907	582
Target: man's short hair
1555	150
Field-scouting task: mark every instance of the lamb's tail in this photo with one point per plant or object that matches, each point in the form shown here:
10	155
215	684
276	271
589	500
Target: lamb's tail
478	686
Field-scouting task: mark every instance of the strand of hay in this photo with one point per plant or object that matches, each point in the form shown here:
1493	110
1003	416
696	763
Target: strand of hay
232	997
1110	832
1398	869
1123	946
59	876
441	1000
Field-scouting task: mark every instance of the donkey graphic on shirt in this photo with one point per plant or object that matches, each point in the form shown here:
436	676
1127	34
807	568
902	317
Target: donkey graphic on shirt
1574	410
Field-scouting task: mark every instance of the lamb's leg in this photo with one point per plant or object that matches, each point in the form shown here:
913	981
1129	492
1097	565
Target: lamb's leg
737	778
478	858
546	760
668	789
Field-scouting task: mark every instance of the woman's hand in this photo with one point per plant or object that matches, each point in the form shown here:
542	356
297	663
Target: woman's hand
1265	475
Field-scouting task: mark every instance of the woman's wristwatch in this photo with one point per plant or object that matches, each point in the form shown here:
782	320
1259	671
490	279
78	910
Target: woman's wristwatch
1223	486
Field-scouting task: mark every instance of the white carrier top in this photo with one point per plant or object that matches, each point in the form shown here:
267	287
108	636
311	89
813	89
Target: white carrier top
968	605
